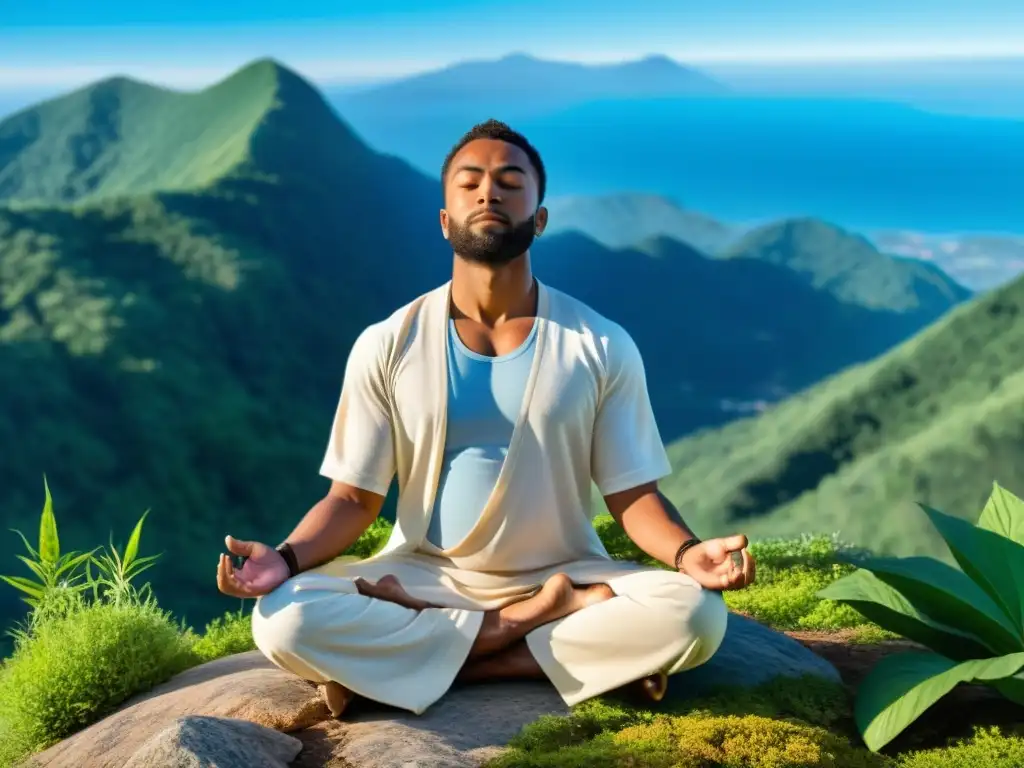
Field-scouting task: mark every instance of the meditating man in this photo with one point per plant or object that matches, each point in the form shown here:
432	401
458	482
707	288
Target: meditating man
497	401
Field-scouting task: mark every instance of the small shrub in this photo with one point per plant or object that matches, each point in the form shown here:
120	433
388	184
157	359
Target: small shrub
224	636
75	669
988	748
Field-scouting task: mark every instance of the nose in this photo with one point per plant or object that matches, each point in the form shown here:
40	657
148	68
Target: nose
488	192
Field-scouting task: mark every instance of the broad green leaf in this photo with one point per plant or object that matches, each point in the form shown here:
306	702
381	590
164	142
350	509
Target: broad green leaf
880	603
1003	514
49	544
29	587
948	596
1011	687
901	687
132	548
994	562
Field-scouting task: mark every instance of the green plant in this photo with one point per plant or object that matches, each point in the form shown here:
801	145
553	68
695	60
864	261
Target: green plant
971	618
224	636
52	569
117	571
74	670
988	747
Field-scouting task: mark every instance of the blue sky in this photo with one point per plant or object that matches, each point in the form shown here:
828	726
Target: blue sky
63	43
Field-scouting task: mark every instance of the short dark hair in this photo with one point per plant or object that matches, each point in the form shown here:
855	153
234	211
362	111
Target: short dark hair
495	129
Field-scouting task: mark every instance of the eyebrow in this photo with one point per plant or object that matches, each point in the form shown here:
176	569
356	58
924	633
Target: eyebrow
502	169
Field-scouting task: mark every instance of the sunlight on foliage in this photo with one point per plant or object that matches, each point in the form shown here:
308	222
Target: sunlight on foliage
988	748
224	636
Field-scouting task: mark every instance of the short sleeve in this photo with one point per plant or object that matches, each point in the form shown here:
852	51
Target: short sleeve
361	447
627	450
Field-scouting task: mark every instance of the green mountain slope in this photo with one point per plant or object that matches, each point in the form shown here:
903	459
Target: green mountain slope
720	337
936	420
182	351
848	266
120	136
624	220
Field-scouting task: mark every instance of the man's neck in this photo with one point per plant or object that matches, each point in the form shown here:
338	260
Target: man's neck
492	295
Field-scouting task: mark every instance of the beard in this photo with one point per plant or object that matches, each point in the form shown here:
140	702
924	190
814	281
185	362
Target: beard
493	248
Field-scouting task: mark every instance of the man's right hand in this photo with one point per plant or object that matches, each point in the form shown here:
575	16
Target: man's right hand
263	571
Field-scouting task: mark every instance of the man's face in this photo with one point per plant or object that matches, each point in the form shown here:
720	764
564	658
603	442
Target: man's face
491	214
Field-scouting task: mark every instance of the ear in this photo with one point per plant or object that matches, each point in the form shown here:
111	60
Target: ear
444	223
541	219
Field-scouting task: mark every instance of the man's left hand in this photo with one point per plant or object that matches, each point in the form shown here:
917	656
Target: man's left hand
711	563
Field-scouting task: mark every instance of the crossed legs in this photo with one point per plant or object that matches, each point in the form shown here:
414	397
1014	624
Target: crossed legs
371	638
499	651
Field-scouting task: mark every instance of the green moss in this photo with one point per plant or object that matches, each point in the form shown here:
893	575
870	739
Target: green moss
72	670
372	541
789	574
700	741
224	636
588	731
787	600
988	748
809	698
704	741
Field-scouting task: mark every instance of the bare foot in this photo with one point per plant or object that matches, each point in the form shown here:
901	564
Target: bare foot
388	588
337	696
557	597
655	686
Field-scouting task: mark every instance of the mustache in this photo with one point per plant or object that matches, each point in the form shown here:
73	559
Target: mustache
487	212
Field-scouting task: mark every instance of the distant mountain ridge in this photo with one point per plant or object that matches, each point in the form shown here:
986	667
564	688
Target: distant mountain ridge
849	266
521	81
719	336
626	219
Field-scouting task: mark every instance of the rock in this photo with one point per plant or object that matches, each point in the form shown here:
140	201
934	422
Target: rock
244	687
462	730
751	654
196	741
468	726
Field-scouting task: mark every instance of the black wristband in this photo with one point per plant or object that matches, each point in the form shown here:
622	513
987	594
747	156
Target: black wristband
688	544
286	551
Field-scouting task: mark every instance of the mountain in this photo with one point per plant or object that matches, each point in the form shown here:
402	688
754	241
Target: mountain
182	350
528	84
978	261
720	337
174	338
623	220
935	420
851	268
